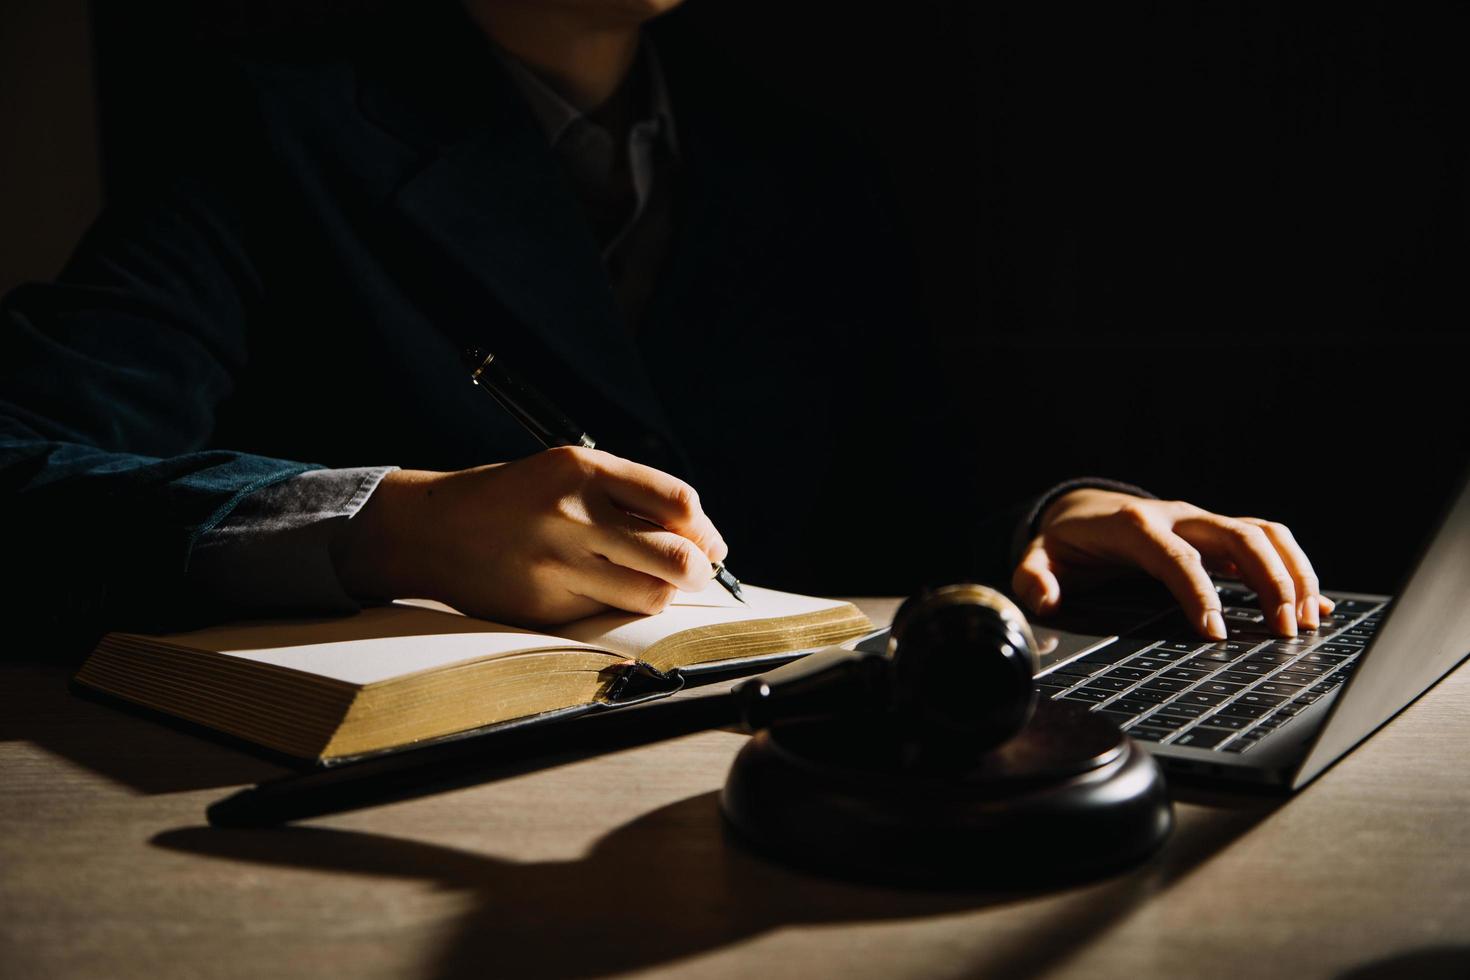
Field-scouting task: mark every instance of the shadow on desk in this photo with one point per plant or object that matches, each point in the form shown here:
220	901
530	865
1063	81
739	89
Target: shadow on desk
144	753
672	884
1434	963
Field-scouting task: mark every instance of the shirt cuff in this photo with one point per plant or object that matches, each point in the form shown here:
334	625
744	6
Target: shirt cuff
273	551
1028	527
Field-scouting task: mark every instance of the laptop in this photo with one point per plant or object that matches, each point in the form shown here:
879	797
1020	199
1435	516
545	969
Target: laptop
1256	708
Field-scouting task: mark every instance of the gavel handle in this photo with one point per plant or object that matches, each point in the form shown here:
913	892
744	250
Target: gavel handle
831	683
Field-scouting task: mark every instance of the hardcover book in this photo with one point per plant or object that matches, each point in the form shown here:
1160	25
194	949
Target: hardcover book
332	689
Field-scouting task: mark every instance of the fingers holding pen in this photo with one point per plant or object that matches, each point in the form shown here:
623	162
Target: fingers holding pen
662	499
608	584
553	537
636	518
634	544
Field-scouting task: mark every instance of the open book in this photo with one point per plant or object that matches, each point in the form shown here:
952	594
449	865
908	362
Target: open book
333	689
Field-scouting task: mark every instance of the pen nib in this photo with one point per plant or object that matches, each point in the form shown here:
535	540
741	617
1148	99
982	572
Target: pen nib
729	581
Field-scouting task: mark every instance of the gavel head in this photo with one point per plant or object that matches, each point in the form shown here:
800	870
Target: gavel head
955	681
962	662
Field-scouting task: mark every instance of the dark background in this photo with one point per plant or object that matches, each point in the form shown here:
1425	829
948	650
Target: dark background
1218	249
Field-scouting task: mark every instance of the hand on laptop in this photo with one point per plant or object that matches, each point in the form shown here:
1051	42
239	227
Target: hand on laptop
1089	534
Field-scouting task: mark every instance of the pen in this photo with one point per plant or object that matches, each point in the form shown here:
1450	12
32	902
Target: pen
547	423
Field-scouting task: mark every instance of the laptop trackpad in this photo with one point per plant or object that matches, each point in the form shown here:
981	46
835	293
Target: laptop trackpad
1055	647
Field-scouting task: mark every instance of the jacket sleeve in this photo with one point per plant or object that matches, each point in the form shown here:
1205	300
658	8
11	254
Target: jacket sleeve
272	554
110	378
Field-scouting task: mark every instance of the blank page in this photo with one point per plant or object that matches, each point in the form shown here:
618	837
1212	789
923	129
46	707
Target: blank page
631	635
377	644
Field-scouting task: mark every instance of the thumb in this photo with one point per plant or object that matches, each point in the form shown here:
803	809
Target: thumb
1035	581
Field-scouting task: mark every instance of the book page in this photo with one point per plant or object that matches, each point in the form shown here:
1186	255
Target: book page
631	635
377	644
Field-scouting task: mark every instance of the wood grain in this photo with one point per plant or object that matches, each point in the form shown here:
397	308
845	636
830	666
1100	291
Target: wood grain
619	865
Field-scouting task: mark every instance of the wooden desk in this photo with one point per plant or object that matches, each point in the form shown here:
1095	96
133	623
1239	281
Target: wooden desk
619	865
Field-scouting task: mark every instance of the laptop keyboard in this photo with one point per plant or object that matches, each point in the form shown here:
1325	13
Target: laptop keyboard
1226	695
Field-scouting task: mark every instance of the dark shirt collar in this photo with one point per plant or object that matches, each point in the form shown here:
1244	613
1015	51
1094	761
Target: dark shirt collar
557	117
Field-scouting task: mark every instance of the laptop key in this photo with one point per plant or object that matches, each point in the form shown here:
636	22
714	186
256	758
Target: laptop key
1221	688
1202	738
1318	657
1276	686
1236	677
1160	653
1302	667
1340	648
1147	663
1165	684
1148	733
1119	718
1132	705
1179	707
1266	657
1243	614
1083	694
1200	697
1157	697
1296	677
1232	722
1161	720
1186	674
1237	710
1257	697
1109	683
1131	673
1231	595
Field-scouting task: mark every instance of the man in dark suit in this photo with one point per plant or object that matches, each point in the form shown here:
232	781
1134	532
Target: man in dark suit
710	284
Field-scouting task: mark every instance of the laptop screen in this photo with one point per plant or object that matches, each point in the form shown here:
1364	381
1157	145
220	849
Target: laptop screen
1425	634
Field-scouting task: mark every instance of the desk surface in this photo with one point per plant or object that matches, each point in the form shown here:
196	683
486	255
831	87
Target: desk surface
619	865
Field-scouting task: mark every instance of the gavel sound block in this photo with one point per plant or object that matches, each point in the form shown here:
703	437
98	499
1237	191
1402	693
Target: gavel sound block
936	765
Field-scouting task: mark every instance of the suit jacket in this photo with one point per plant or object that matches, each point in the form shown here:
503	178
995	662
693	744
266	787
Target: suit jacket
296	290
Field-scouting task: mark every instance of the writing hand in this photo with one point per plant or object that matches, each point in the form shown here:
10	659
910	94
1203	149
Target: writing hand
1088	533
543	540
